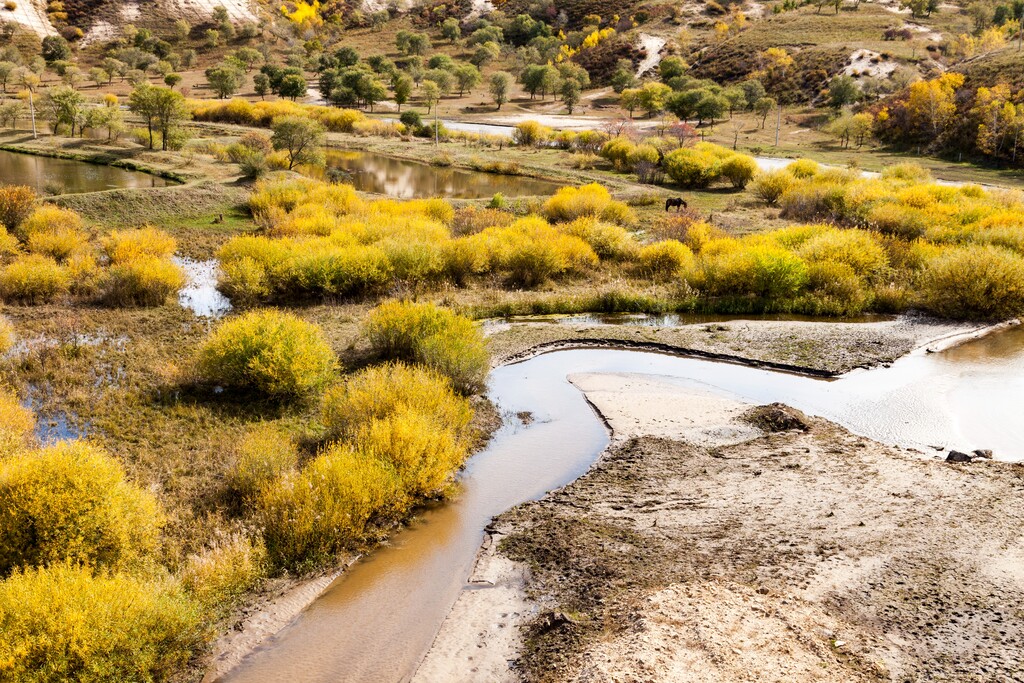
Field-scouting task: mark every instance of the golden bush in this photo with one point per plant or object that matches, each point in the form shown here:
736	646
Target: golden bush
65	623
121	246
17	425
16	203
34	279
143	281
593	200
49	219
270	352
263	456
71	503
608	241
974	282
666	259
220	575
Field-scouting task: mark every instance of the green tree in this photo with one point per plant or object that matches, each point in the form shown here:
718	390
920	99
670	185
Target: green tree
570	94
842	90
711	107
293	87
55	48
248	57
653	97
468	77
64	105
450	29
764	106
402	87
500	86
300	137
629	99
224	79
6	71
261	84
431	93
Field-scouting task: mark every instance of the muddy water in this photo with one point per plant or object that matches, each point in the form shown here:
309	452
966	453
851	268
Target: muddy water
375	622
410	179
71	176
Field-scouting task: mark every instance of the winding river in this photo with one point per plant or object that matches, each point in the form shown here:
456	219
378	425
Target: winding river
376	621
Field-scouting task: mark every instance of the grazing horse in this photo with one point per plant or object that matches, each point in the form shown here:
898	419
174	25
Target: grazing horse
677	202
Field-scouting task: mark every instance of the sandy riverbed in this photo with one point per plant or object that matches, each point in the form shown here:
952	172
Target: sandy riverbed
701	548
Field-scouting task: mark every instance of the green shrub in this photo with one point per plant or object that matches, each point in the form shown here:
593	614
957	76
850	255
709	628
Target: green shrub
63	623
907	171
692	168
143	281
34	279
71	502
263	456
974	282
666	259
270	352
738	169
771	185
223	573
435	337
836	289
16	203
858	249
381	391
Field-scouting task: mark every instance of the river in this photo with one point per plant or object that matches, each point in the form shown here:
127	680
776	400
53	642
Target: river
67	176
376	621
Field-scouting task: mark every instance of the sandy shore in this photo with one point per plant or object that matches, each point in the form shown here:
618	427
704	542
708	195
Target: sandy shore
701	548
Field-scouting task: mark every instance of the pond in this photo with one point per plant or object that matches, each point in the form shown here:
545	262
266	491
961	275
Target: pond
406	179
376	621
72	177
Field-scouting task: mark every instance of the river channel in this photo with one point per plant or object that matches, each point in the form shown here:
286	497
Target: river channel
376	621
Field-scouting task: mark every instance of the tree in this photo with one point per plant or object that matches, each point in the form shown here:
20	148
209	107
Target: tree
842	90
468	77
98	76
630	100
624	76
764	106
711	107
30	81
64	105
247	57
419	44
371	90
6	71
171	80
653	96
431	93
671	67
402	87
182	29
225	79
450	29
168	109
142	102
300	137
55	48
293	86
570	94
932	104
485	54
261	84
501	84
753	91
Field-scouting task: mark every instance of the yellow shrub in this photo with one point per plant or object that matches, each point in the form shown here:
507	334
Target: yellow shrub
907	171
378	392
471	219
58	243
771	185
16	203
71	502
224	572
84	273
126	245
63	623
143	281
435	337
311	517
901	221
531	133
288	193
754	270
665	259
608	241
263	456
974	282
34	279
17	424
270	352
570	203
858	249
423	456
738	169
618	151
691	167
803	168
9	245
6	335
50	219
245	281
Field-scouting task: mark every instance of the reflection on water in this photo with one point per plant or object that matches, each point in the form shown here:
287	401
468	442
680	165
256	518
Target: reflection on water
412	179
376	621
71	176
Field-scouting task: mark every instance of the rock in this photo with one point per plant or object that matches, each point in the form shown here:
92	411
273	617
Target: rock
776	417
957	456
983	453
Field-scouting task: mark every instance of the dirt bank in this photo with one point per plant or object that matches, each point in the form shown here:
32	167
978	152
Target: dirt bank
798	556
828	348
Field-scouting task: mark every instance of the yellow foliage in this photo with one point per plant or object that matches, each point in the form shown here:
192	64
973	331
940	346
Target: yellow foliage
16	425
34	279
50	219
570	203
666	259
220	575
71	503
126	245
65	623
263	456
270	352
143	281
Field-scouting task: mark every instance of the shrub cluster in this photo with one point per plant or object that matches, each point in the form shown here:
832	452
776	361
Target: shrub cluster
397	435
705	164
53	256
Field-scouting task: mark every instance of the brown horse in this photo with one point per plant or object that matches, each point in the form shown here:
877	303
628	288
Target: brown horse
677	202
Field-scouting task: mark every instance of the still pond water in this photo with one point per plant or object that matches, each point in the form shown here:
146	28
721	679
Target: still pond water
71	177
